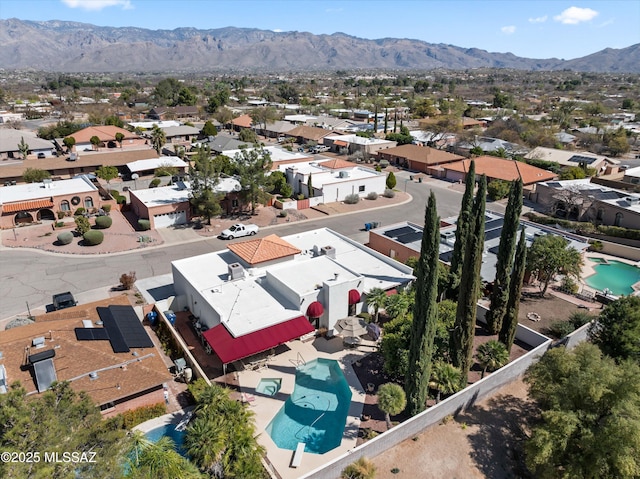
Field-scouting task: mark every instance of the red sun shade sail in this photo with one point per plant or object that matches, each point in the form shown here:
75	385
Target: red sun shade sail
354	296
231	349
315	310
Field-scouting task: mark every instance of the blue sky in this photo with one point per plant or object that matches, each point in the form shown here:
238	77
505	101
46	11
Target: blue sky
533	29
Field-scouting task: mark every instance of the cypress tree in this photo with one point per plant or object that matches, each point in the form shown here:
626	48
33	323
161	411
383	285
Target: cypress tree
465	323
425	313
310	186
510	323
506	249
462	232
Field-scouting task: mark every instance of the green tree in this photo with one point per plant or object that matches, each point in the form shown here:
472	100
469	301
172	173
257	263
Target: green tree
377	298
186	96
35	175
95	142
498	189
58	420
82	224
397	305
248	135
590	420
491	355
253	165
160	461
504	264
510	323
167	92
23	148
391	180
617	330
549	255
263	115
224	116
69	142
445	379
391	401
107	173
119	138
363	468
462	232
209	129
310	192
425	312
205	174
619	144
158	138
219	98
465	325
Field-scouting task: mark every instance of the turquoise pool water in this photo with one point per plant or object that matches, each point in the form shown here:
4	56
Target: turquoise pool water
269	386
316	412
170	431
614	275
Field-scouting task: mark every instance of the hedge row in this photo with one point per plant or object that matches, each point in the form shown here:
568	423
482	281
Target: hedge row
132	418
584	227
121	200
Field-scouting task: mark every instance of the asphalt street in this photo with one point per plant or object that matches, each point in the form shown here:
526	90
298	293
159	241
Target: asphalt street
28	278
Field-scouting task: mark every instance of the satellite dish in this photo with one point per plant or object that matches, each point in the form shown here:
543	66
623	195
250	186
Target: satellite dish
135	176
237	187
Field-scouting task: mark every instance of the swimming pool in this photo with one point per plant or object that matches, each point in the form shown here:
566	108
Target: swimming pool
616	276
269	386
316	412
168	430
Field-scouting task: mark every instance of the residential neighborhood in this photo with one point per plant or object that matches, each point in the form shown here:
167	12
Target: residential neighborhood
320	273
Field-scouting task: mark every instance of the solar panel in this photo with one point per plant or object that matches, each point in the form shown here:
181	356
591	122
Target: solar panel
409	237
398	231
91	334
118	343
493	234
41	356
446	256
587	160
45	374
130	327
494	250
493	224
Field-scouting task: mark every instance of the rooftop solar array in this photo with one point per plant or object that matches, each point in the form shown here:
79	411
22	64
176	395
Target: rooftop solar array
45	374
493	224
492	234
446	256
122	328
394	233
48	354
409	237
587	160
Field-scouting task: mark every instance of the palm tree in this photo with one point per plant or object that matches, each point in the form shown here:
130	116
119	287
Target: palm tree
491	355
160	460
363	468
391	401
397	305
158	138
377	298
445	378
205	441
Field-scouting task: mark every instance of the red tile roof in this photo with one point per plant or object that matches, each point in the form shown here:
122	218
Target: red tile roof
503	169
104	132
263	249
420	154
336	164
27	205
243	121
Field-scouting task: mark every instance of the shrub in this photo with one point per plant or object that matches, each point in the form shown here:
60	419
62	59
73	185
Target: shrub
569	285
65	237
60	214
283	214
59	224
103	222
144	225
93	237
389	193
560	329
372	195
579	318
595	245
82	225
363	468
300	196
352	199
106	208
155	182
133	417
80	211
365	316
115	194
378	168
128	279
391	180
498	189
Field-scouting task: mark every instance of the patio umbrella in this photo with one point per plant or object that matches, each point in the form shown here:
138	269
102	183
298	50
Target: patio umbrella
351	326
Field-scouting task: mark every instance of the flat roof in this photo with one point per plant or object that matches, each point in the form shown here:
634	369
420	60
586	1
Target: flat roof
153	163
149	124
277	154
179	192
34	191
316	271
359	140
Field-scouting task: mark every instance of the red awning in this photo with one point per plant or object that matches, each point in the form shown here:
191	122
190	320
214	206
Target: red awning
354	296
315	310
231	349
340	143
27	205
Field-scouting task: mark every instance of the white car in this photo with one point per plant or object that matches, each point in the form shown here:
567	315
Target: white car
238	230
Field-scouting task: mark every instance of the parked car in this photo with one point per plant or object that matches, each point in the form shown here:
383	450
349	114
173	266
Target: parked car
63	300
238	230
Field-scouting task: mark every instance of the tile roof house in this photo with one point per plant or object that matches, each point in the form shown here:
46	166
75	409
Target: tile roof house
243	121
116	381
107	135
306	134
418	158
263	250
568	158
11	138
498	169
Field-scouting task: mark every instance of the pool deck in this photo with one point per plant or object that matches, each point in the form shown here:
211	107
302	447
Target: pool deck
171	418
589	269
284	366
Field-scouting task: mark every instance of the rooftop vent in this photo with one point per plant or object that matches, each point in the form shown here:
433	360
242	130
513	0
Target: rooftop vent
330	251
632	200
38	342
236	271
86	323
93	375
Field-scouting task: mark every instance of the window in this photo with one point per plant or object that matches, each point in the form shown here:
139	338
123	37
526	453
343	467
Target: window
361	188
88	202
600	214
618	219
64	206
235	203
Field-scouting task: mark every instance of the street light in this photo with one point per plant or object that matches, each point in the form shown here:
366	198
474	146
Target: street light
134	177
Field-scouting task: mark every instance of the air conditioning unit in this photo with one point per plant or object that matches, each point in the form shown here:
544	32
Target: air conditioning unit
330	251
343	174
236	271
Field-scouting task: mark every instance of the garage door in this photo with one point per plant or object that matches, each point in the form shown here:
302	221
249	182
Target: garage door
170	219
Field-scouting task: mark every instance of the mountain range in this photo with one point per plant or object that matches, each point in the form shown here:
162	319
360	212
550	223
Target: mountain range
79	47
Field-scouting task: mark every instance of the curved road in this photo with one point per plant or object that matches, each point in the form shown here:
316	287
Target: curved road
33	276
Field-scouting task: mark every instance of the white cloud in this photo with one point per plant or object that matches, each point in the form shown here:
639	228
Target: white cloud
575	15
277	30
509	30
538	19
95	5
